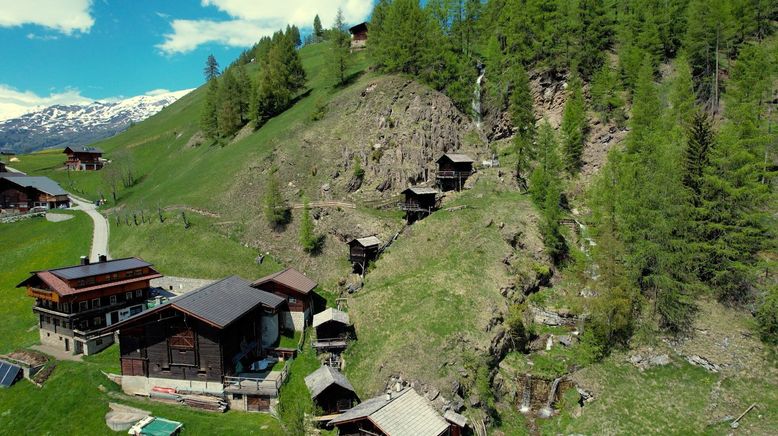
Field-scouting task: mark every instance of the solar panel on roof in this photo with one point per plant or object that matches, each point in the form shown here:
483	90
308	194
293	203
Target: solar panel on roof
9	373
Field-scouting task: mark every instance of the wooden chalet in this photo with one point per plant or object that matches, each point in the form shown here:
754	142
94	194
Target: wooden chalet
75	303
297	290
453	170
394	414
358	36
83	158
333	330
419	202
22	193
362	251
210	341
330	390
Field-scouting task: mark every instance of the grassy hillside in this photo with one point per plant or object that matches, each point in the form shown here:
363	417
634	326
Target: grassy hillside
424	309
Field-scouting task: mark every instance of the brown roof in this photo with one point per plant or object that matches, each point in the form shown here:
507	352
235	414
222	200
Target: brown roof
62	288
290	278
456	157
419	190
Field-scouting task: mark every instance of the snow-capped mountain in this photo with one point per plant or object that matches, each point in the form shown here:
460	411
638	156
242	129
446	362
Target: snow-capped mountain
74	125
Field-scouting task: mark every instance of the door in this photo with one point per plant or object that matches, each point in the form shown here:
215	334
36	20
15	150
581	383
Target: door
114	318
257	404
67	344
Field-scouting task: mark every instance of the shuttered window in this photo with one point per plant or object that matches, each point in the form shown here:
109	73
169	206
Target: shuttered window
183	340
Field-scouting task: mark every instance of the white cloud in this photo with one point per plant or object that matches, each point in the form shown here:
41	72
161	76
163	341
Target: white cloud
14	103
65	16
43	37
156	92
252	19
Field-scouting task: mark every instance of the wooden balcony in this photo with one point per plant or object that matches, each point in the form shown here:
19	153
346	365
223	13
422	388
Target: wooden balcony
454	174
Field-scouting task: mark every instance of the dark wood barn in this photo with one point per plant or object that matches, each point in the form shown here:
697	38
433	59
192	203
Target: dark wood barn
22	193
330	390
362	251
201	337
298	291
419	202
358	36
453	171
83	158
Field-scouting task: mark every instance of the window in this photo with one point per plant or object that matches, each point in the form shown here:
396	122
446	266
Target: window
128	296
90	281
99	342
80	283
97	321
65	307
56	322
115	276
139	293
95	303
113	299
292	300
48	320
83	305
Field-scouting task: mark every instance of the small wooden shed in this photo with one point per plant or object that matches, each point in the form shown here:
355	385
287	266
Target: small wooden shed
330	390
362	251
419	202
453	170
332	328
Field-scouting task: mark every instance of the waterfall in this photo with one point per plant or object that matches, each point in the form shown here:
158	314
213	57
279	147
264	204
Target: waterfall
548	409
525	401
477	95
586	244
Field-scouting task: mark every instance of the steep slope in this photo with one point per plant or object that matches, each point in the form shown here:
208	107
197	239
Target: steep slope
74	125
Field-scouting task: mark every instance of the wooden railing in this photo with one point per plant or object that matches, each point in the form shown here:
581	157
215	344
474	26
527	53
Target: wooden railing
454	174
262	386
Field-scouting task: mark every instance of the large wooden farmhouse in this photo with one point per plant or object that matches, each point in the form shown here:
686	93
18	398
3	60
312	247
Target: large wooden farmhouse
212	340
22	193
419	202
453	170
297	290
74	303
83	158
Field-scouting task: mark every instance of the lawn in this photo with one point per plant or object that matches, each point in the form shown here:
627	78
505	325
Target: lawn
200	251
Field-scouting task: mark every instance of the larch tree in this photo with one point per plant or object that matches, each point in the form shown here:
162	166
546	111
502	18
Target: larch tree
211	69
574	126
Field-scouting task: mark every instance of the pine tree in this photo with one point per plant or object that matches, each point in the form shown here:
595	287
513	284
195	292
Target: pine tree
340	59
276	211
707	36
546	173
521	104
208	117
211	69
295	36
318	31
682	98
594	36
574	125
307	238
229	108
696	155
605	93
403	38
550	229
646	109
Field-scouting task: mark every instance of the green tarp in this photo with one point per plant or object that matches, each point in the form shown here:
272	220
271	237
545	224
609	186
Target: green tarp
161	427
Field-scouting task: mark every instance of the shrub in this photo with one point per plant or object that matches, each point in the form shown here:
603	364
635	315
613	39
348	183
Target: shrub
767	317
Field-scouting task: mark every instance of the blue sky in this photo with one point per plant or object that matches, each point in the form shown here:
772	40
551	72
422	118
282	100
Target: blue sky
74	51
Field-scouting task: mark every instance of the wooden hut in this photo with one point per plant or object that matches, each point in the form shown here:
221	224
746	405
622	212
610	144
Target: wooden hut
22	193
453	171
362	251
330	390
332	328
419	202
358	36
394	414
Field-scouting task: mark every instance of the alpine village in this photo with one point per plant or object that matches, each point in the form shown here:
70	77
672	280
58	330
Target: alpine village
459	217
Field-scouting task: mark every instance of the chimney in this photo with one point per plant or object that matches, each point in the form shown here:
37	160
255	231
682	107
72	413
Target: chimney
103	258
84	260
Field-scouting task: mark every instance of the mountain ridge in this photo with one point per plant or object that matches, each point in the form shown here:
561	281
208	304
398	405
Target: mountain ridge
75	125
